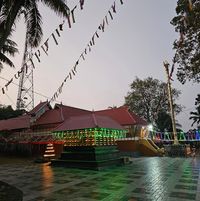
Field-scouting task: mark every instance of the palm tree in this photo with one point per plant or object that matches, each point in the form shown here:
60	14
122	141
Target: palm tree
195	116
9	48
11	10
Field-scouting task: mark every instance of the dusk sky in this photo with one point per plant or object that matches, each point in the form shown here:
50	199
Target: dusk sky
135	43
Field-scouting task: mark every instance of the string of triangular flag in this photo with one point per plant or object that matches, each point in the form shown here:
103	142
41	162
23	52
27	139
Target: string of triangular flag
190	135
88	48
184	20
45	46
35	92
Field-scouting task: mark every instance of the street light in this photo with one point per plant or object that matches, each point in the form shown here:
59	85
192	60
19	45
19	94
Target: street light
150	127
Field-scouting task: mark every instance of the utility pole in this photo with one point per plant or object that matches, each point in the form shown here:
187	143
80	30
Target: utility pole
166	65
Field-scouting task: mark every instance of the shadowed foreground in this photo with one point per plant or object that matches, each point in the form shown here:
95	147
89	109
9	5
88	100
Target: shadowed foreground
155	178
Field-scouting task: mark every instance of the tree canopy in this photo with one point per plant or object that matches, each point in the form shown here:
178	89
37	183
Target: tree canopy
8	49
187	47
7	112
148	97
195	116
163	122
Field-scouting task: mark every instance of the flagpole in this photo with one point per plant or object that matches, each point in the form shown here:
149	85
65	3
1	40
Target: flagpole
166	65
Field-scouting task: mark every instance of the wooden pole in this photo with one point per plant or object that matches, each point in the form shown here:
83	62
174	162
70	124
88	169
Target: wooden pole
166	65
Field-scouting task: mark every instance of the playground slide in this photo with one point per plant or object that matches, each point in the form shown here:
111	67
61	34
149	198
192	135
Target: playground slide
148	148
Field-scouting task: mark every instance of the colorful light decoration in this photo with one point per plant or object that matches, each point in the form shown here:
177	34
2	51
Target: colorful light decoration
49	152
182	136
90	136
166	136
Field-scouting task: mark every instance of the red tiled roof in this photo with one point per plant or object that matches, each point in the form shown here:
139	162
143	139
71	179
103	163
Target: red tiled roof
15	123
59	114
138	119
122	116
39	106
68	111
88	121
49	117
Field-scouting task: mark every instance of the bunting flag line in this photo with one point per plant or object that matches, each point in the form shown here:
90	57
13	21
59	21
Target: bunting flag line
82	56
97	34
110	15
88	48
72	12
66	78
113	8
45	46
61	26
38	53
106	19
90	43
13	83
69	21
103	25
37	56
81	4
85	50
57	32
75	68
8	83
93	43
16	76
73	72
32	63
191	135
44	50
70	76
54	38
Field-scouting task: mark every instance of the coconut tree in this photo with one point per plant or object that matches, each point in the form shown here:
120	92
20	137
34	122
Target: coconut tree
8	49
195	116
11	10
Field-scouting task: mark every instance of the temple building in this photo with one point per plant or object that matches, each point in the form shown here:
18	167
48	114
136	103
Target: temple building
130	121
90	142
90	130
43	125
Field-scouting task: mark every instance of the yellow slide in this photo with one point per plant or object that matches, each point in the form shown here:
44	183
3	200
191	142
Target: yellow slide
148	148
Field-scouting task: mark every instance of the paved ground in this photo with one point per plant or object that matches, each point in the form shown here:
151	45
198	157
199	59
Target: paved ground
155	179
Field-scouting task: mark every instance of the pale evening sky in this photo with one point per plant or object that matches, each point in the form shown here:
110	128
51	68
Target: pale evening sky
135	43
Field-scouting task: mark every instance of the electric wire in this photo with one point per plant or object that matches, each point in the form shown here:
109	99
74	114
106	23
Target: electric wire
11	100
35	92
